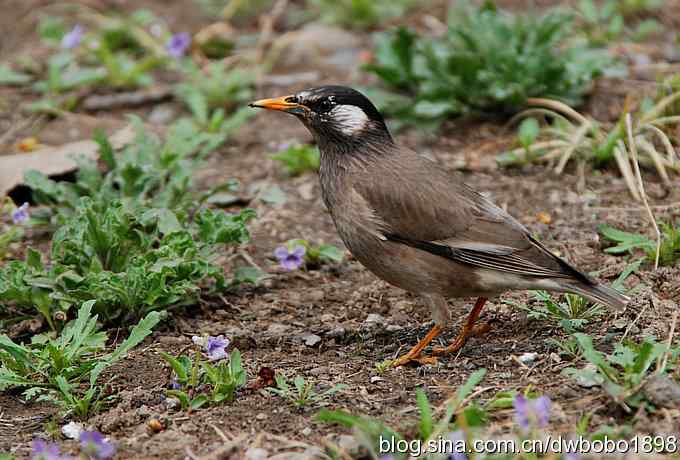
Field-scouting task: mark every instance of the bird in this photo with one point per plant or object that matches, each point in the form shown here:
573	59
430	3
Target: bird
412	224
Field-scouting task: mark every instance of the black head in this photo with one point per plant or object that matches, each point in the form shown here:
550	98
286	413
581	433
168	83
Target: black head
332	113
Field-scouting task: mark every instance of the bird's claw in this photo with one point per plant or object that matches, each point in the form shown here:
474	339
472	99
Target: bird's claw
418	359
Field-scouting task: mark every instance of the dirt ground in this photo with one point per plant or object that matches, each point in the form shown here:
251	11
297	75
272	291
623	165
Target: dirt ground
269	322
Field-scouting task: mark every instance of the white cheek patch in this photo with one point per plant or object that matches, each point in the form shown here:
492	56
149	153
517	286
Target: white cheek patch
349	118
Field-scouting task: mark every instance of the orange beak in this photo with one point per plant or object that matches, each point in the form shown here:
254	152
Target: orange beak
280	103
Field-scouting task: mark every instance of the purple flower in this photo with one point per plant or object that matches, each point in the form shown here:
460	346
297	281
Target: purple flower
20	215
534	412
174	383
290	259
572	456
216	347
95	446
41	450
457	439
178	44
73	38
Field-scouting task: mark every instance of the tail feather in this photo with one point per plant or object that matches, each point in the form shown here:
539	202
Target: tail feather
600	294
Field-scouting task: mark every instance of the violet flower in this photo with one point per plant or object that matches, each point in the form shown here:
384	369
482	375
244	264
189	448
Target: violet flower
215	347
532	413
572	456
457	439
73	38
178	44
95	446
20	215
174	383
290	259
42	450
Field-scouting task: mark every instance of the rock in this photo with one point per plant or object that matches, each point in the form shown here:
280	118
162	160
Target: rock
162	114
528	358
375	321
349	444
277	329
172	403
306	191
311	339
317	44
261	416
394	328
256	453
663	391
376	379
72	430
337	333
306	431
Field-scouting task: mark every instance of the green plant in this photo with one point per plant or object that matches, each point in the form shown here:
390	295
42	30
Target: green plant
489	61
361	14
373	433
193	377
317	254
626	242
572	312
623	373
568	135
607	22
298	158
220	87
56	369
134	238
304	393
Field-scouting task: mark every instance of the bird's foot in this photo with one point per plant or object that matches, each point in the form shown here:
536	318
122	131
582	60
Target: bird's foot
461	339
413	359
414	354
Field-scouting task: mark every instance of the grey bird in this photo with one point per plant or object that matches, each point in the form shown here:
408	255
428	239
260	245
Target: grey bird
413	225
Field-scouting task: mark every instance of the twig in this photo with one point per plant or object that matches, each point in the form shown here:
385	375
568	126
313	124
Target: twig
669	343
636	165
625	334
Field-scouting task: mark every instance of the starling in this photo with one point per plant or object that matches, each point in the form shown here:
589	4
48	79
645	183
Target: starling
415	226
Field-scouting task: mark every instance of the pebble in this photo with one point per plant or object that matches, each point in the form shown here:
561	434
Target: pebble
528	358
172	403
348	444
307	431
337	333
306	191
256	453
261	416
311	339
72	430
374	320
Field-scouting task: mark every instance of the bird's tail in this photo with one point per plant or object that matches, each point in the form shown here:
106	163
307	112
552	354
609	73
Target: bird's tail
600	294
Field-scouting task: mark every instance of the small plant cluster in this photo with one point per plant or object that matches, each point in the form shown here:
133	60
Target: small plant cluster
213	376
361	14
626	243
303	393
461	420
569	136
134	238
604	23
298	252
488	61
622	373
297	158
65	370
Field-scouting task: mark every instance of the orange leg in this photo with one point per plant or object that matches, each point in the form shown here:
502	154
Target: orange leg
469	329
414	353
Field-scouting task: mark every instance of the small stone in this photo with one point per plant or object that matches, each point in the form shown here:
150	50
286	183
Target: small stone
306	191
555	357
72	430
528	358
172	403
376	379
394	328
162	114
306	431
337	333
348	444
311	339
261	416
277	329
256	453
374	320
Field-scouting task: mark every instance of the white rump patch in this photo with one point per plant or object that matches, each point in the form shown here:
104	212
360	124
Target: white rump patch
349	118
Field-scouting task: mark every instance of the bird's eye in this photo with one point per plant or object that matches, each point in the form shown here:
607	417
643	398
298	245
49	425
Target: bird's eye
325	105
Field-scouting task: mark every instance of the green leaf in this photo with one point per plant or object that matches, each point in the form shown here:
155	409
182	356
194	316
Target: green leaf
528	132
9	77
426	424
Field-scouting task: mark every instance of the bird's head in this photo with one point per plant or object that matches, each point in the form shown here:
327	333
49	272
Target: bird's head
333	114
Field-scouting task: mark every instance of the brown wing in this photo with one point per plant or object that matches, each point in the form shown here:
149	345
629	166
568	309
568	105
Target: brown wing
435	214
